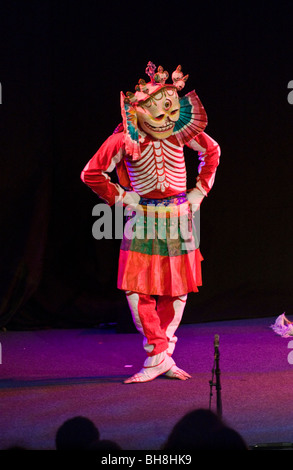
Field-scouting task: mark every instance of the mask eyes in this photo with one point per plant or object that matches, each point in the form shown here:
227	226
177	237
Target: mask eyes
160	117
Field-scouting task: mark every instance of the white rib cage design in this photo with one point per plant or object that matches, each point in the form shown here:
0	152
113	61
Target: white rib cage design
161	166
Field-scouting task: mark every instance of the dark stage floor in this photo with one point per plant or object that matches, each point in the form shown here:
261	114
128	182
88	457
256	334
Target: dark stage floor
48	376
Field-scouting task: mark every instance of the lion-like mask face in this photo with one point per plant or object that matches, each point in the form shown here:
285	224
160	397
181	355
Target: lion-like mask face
158	114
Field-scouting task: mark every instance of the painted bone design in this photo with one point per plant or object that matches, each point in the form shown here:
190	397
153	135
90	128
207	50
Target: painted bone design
162	166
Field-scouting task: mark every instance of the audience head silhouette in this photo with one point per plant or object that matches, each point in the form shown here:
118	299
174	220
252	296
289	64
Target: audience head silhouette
203	430
77	433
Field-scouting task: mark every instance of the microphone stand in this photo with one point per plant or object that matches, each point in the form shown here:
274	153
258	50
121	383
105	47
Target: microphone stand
216	372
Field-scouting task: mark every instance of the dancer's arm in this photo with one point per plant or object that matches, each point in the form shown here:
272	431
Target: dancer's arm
95	173
209	156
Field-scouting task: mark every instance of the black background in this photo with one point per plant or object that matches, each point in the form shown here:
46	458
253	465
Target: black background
63	65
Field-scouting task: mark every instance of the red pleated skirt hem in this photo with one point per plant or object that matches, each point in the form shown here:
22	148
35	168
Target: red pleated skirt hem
159	275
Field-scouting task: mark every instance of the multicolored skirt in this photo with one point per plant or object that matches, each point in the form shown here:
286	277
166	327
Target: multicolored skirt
159	253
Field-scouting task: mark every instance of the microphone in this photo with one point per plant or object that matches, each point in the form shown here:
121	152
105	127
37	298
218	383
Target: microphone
217	372
216	342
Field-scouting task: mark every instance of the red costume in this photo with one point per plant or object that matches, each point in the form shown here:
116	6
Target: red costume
159	260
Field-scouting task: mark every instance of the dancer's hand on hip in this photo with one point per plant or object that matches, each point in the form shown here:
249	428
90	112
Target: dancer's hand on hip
195	198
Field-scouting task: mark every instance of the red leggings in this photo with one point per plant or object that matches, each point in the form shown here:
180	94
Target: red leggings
157	320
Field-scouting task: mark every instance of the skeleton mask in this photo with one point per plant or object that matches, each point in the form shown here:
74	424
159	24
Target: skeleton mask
157	115
156	109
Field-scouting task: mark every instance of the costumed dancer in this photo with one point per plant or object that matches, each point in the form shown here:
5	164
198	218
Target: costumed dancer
160	265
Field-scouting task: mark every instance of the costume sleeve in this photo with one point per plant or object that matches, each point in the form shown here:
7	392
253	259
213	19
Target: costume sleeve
209	156
95	173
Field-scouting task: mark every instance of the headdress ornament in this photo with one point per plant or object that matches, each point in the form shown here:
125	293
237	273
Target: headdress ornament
144	90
